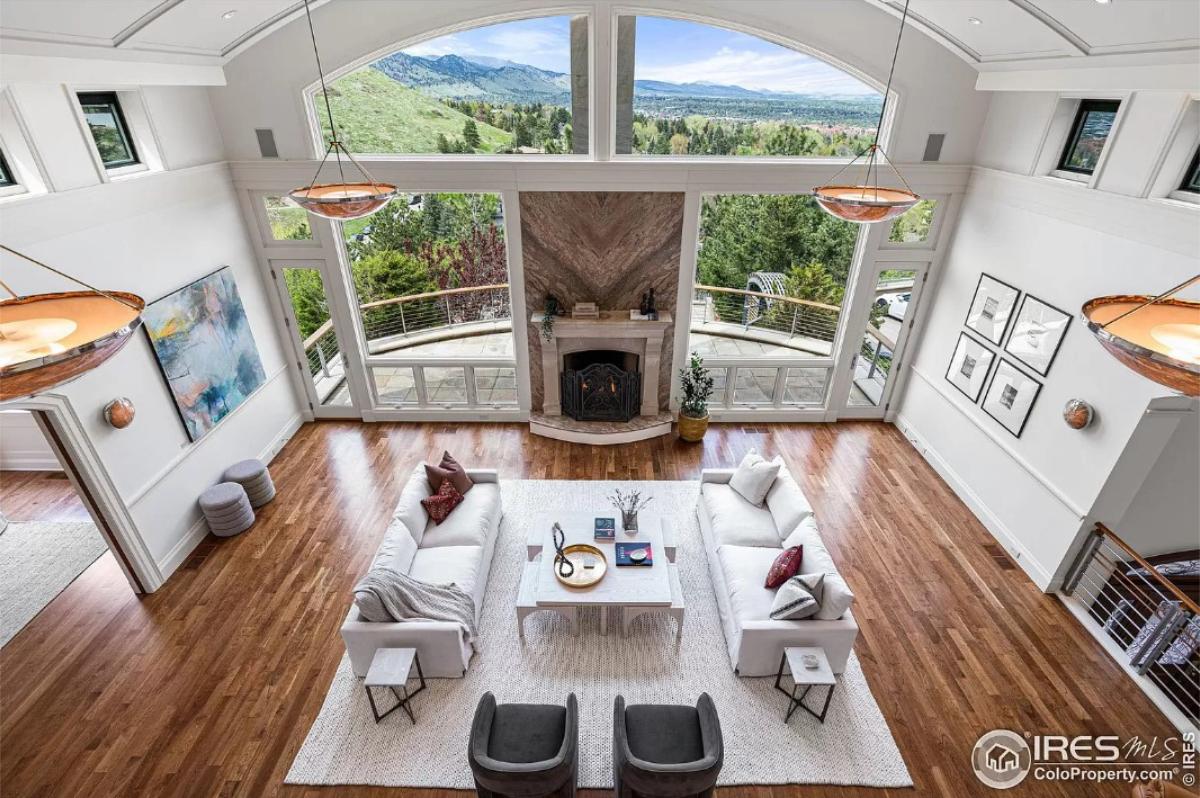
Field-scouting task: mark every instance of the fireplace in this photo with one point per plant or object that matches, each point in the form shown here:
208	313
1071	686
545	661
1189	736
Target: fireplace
601	385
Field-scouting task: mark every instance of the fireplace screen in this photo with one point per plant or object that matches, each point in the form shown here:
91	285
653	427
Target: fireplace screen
601	386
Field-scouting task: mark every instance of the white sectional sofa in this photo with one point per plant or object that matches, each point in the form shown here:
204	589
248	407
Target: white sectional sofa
741	541
458	550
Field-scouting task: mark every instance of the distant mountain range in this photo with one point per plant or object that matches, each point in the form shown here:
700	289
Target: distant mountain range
483	77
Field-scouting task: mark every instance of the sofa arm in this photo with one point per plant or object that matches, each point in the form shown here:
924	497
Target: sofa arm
483	475
720	476
762	642
441	644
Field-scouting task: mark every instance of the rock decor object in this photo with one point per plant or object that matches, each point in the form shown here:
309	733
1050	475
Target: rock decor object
227	509
1078	414
119	412
254	478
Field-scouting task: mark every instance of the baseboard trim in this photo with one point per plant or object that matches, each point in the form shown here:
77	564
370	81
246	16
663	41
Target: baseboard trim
198	531
1033	569
29	461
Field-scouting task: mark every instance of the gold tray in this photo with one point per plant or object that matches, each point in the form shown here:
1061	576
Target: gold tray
582	577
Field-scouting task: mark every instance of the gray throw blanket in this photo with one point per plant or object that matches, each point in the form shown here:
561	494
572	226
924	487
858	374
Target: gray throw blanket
385	594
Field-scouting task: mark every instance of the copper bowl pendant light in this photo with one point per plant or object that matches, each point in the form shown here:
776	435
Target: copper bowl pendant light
50	339
344	199
1158	337
870	202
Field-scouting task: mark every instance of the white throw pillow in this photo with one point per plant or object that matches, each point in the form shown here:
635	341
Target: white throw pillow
798	598
835	599
787	503
754	477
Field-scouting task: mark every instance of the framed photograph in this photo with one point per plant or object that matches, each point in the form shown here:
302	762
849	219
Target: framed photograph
1037	333
969	366
202	340
992	308
1010	397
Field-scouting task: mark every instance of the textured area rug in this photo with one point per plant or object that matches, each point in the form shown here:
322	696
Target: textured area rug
853	747
37	562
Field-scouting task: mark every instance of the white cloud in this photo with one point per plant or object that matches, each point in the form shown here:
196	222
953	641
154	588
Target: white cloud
787	71
442	45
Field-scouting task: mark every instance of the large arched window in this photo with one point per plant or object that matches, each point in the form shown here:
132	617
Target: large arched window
512	87
685	88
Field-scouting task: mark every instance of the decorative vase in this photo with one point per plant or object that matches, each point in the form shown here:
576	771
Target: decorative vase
629	522
692	429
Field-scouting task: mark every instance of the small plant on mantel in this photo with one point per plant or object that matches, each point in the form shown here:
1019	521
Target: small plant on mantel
697	386
548	313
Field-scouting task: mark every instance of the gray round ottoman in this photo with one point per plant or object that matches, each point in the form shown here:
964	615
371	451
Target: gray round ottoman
254	477
227	509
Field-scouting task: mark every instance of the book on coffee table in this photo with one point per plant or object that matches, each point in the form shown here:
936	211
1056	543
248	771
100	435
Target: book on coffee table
633	553
606	529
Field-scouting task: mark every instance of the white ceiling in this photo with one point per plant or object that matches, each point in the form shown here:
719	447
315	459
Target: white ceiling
1024	30
1008	31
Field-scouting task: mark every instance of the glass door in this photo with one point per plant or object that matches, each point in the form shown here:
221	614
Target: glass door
876	363
318	356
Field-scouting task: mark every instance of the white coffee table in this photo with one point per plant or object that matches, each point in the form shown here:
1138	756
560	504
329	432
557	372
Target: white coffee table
625	586
793	657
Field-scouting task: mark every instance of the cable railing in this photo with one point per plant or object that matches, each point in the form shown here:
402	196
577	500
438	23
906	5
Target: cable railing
398	317
321	351
1150	618
801	323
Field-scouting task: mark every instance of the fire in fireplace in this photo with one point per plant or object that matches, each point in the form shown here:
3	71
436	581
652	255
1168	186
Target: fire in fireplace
601	385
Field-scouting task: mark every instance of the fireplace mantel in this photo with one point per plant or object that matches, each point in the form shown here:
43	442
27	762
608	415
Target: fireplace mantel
613	330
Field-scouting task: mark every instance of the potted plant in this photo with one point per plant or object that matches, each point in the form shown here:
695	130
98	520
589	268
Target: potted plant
697	387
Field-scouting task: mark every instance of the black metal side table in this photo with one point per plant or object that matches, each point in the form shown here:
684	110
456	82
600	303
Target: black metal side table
390	668
822	675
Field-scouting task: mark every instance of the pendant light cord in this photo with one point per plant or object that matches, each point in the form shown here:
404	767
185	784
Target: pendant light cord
48	268
333	136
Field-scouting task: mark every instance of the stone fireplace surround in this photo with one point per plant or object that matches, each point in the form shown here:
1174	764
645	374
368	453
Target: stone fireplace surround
614	330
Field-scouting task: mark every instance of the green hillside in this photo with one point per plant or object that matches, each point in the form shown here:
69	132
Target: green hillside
378	115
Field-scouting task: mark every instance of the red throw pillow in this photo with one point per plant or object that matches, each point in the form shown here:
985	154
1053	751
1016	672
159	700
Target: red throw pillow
441	504
448	469
786	565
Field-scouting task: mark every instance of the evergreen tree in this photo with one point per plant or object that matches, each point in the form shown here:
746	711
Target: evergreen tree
471	134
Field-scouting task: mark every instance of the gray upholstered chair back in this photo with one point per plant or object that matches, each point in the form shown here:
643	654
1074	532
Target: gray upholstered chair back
524	750
666	751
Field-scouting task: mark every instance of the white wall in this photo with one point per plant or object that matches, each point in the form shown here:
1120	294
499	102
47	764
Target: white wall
1064	243
150	234
264	84
23	447
1165	514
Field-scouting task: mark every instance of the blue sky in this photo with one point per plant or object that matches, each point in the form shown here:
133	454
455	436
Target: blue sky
667	49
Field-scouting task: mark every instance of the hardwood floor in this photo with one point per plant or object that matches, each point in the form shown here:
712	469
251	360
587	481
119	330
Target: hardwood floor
209	686
40	496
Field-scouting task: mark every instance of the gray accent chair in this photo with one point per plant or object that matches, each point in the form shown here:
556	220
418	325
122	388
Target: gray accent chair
525	750
666	751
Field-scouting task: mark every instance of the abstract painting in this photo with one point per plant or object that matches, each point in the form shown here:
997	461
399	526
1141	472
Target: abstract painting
991	308
969	366
1010	397
1037	334
204	346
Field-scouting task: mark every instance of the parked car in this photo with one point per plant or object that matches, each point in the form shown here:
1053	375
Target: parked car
896	305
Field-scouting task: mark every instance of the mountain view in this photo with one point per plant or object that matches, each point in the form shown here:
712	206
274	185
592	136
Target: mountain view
450	95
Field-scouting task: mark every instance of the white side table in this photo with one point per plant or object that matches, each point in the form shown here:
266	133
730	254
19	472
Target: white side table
390	668
822	676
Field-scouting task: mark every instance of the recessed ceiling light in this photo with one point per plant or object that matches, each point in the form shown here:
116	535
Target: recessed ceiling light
1103	2
975	20
229	14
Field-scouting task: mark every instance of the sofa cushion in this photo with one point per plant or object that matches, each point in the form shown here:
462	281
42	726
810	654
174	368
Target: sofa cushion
445	565
816	557
397	550
754	477
409	509
798	598
448	469
442	503
786	565
743	567
737	522
835	600
787	503
470	522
